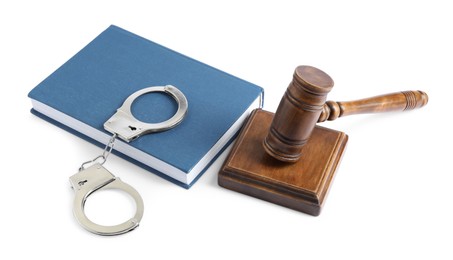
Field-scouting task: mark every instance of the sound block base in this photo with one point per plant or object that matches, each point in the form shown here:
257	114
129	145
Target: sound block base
302	185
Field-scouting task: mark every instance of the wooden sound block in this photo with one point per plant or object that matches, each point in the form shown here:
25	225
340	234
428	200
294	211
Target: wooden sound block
302	185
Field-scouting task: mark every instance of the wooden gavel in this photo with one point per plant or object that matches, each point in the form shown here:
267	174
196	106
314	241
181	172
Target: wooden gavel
304	104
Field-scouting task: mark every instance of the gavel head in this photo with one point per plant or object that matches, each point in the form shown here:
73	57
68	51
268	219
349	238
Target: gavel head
297	113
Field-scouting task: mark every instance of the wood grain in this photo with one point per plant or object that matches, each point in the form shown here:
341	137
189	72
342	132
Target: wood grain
302	185
297	113
399	101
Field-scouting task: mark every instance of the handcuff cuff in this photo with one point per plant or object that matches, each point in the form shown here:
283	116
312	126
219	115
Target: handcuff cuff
125	126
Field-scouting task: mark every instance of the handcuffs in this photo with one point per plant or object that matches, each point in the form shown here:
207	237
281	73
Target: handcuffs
95	177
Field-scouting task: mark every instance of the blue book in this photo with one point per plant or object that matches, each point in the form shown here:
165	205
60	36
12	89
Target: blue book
85	92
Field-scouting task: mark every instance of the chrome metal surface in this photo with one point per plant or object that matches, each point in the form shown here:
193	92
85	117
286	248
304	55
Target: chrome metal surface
94	178
128	127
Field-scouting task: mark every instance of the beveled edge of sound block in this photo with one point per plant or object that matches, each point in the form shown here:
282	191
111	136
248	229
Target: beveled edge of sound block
301	186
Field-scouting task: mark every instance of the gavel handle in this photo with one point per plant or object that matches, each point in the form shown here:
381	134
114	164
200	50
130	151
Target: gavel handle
400	101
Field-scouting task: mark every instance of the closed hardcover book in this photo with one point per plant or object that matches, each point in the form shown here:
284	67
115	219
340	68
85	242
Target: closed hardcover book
85	92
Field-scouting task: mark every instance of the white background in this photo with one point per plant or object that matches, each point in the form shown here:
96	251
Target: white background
392	196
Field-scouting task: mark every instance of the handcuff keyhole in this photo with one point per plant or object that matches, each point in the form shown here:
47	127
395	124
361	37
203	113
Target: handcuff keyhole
81	183
133	128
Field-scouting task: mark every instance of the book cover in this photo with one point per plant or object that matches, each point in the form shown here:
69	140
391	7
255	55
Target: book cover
86	91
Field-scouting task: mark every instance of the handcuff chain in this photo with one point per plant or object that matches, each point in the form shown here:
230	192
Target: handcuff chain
105	154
